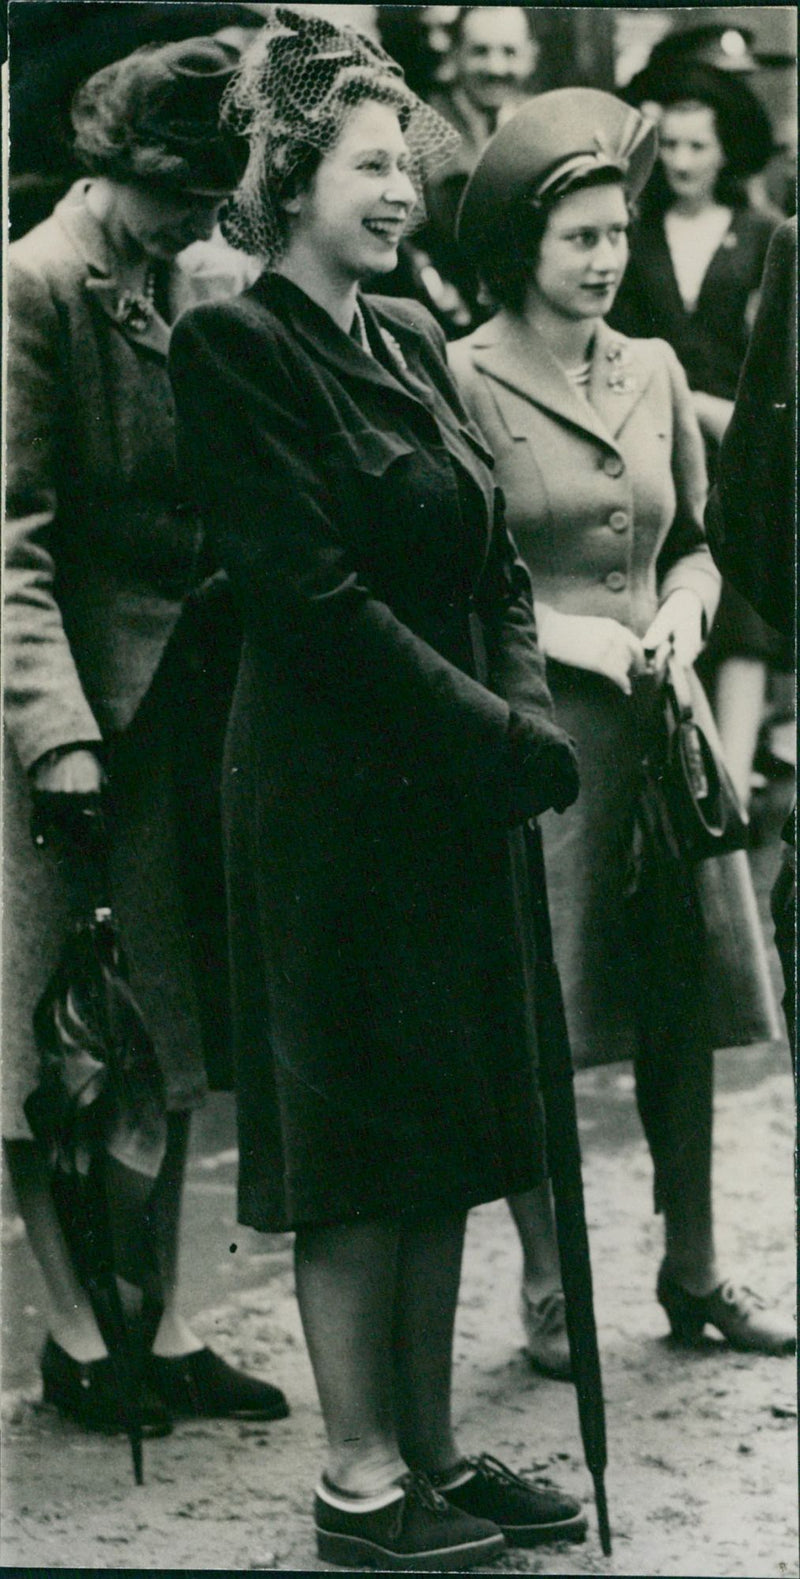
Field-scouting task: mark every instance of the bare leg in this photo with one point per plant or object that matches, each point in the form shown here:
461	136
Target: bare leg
346	1277
740	699
70	1317
428	1277
533	1215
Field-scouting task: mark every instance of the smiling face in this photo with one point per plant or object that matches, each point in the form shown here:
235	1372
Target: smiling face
691	153
495	55
352	215
583	253
161	223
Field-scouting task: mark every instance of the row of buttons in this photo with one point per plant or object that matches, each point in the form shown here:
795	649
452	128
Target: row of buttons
619	520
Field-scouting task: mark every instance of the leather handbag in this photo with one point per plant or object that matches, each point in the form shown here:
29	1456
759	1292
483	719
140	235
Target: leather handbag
706	814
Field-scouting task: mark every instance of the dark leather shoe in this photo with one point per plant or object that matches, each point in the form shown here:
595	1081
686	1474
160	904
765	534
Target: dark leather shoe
529	1512
200	1385
740	1315
89	1393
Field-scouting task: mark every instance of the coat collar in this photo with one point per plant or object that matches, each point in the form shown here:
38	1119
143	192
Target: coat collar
105	281
327	342
618	375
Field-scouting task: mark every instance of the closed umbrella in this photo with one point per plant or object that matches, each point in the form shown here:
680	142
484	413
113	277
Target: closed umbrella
98	1110
549	1033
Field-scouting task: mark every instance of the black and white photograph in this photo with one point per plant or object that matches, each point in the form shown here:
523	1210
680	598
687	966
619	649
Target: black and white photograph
398	1018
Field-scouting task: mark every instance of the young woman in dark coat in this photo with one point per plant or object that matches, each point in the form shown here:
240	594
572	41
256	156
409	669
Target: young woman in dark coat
390	724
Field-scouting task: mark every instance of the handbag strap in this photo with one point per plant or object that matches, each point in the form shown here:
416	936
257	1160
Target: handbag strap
676	680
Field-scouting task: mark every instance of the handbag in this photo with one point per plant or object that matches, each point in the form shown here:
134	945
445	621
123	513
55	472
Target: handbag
687	879
704	809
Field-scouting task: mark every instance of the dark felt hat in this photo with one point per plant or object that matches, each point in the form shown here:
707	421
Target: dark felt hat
155	116
553	142
741	120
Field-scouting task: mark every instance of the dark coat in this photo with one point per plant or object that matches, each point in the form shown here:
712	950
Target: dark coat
605	498
100	552
382	1060
751	512
711	340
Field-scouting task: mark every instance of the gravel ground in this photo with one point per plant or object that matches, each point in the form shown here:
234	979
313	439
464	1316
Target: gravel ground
702	1446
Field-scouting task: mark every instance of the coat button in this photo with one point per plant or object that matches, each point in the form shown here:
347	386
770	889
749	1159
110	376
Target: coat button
616	581
618	520
613	465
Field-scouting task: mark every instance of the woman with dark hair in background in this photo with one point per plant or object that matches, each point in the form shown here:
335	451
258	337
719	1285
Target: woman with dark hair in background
390	725
697	257
102	559
601	462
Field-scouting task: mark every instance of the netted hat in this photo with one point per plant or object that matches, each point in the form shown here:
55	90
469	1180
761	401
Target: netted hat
154	116
290	97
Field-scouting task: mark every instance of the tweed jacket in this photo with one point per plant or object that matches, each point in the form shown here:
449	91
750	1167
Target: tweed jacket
100	548
605	499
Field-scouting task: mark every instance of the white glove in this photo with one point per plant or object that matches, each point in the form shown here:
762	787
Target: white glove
677	628
590	641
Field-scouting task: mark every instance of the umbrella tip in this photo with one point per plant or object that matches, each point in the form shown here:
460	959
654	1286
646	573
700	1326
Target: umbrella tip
603	1525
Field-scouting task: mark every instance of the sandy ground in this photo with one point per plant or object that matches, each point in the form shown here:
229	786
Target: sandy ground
702	1447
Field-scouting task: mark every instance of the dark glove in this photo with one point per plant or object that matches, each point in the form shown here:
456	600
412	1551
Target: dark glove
72	821
544	771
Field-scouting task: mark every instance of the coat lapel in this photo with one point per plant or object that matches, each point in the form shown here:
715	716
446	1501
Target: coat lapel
326	341
618	378
521	362
104	285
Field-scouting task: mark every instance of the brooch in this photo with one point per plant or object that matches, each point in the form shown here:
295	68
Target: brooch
134	311
619	381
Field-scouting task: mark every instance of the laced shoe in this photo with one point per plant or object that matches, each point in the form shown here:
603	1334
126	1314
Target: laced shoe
546	1340
410	1527
743	1317
529	1512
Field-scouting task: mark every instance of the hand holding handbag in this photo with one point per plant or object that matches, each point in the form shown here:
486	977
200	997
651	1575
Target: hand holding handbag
705	811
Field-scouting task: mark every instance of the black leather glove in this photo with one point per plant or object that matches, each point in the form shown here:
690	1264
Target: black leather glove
69	821
544	771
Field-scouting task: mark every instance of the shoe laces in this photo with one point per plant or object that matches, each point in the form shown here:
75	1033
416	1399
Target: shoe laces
486	1464
746	1298
419	1489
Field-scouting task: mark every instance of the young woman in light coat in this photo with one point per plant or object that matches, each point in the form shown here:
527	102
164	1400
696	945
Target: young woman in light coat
600	458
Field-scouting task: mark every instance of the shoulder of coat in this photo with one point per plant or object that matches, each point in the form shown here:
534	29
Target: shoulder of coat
460	352
216	269
405	313
46	251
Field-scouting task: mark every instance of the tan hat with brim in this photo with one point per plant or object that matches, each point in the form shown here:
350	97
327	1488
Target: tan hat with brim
550	144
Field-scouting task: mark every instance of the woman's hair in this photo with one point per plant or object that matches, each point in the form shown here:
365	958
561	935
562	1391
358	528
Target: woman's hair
740	122
293	93
507	273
